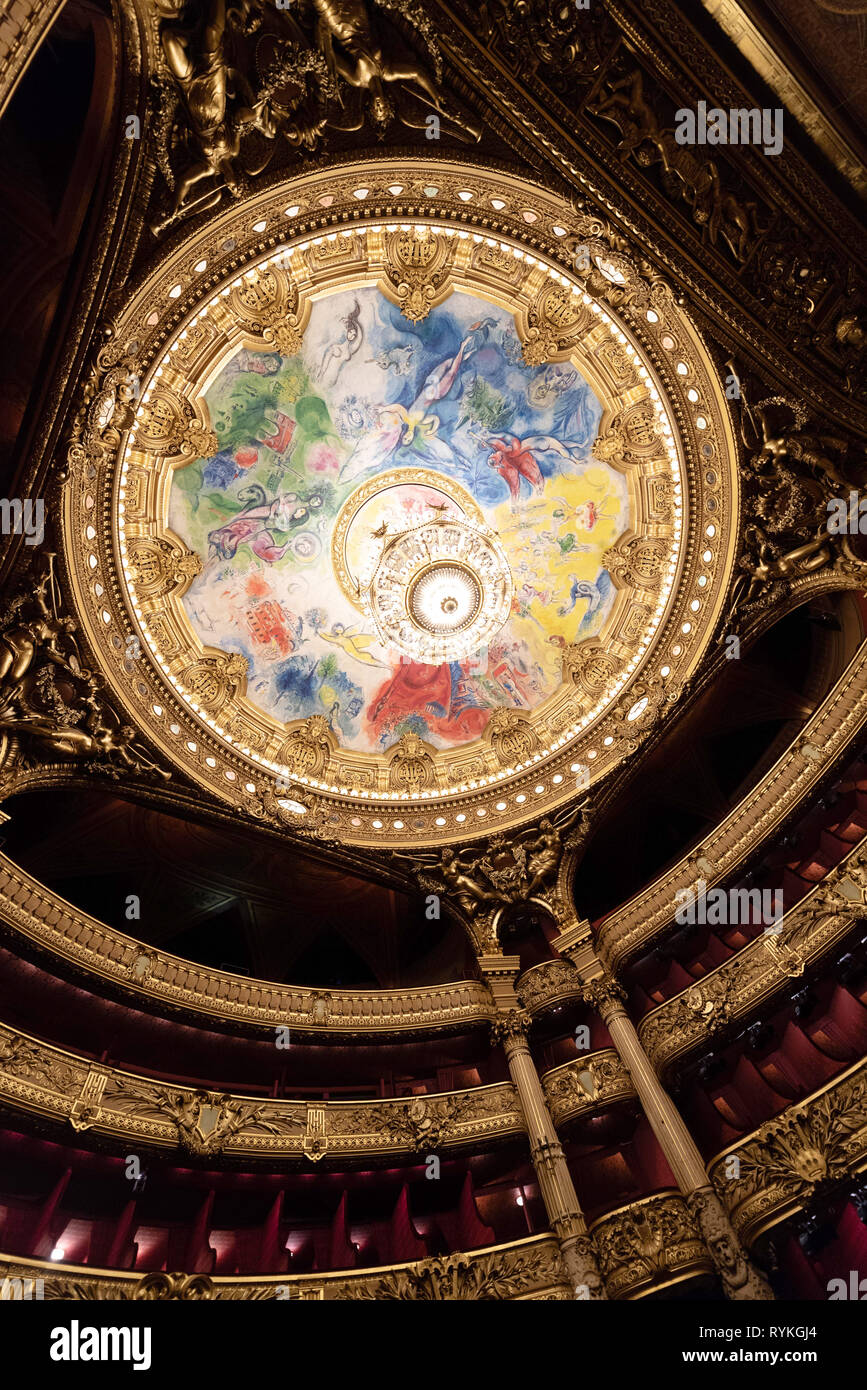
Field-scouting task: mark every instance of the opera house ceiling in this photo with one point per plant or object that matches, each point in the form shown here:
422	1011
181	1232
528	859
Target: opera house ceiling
433	621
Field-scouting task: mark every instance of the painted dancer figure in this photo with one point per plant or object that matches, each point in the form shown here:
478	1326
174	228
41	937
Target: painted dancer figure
345	348
415	428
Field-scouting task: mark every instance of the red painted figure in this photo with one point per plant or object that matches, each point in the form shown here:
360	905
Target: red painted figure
513	462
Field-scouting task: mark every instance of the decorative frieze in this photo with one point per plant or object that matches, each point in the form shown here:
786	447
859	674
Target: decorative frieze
123	1107
761	972
650	1245
527	1269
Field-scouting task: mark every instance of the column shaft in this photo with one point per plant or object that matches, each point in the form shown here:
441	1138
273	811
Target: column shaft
555	1180
740	1279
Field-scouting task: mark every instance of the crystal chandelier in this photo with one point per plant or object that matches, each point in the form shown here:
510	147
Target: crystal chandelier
439	591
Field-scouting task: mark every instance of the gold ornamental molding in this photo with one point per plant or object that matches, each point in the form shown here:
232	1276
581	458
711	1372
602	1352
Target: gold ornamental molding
523	1270
811	1150
249	281
23	26
126	1107
587	1084
34	911
762	972
650	1245
841	716
547	985
734	19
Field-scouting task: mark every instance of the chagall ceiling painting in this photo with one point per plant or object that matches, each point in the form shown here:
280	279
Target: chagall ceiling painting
377	426
433	670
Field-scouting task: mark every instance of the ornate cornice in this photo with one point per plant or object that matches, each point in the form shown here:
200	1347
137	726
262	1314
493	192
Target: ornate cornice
809	1151
735	21
761	973
22	28
122	1107
760	300
633	928
522	1270
649	1245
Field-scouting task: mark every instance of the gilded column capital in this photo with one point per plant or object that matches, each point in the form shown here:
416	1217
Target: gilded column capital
606	995
510	1029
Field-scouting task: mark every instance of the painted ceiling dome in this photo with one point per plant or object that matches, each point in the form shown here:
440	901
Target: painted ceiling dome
437	510
404	524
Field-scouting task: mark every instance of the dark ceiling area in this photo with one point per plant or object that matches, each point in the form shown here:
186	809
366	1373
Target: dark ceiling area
52	154
226	899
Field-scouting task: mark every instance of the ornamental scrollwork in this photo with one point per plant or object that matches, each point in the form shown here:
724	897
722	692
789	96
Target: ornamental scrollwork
450	1278
551	981
586	1084
793	477
651	1243
805	1152
732	993
511	869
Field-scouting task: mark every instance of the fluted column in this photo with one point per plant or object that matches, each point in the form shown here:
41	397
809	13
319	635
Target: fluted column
739	1277
555	1181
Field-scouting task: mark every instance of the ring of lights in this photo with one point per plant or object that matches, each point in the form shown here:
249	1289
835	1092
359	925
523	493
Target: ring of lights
506	241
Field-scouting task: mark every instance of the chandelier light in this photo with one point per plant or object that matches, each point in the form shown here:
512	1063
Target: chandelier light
440	591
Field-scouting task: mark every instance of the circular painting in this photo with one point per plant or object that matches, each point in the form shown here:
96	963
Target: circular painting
337	465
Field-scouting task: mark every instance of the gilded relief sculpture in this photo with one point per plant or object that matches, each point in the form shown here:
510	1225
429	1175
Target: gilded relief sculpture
725	218
51	705
795	477
400	501
239	81
512	870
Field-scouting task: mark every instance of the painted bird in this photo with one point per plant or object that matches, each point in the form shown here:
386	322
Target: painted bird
595	593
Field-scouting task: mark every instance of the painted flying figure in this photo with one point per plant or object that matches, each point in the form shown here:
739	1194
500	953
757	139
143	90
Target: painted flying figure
414	428
354	643
515	458
595	594
261	523
345	347
396	359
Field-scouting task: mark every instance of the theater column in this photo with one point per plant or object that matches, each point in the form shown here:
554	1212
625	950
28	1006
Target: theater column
739	1277
555	1181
